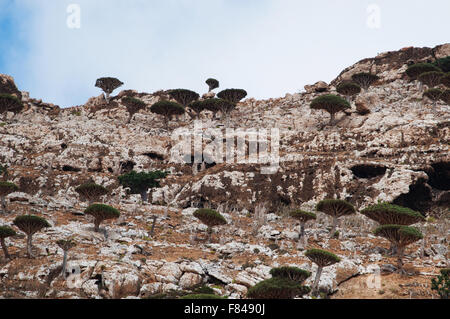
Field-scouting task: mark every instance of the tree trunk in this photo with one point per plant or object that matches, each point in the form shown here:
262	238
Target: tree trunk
315	287
4	211
97	225
64	265
107	98
210	230
332	118
144	196
400	253
152	231
29	246
301	237
333	230
5	249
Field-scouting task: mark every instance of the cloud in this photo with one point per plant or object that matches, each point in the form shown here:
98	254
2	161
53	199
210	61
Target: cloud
268	47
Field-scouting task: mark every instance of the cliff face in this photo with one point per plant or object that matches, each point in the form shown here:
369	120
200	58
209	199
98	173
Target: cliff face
399	152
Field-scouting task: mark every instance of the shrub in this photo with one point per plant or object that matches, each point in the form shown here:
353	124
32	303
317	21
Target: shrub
30	224
108	85
321	258
10	103
335	208
210	218
212	83
167	109
91	192
400	236
441	284
364	80
433	94
202	296
133	106
5	232
443	64
232	95
202	290
6	188
101	212
292	273
389	214
348	89
140	183
183	97
303	217
330	103
417	69
445	79
277	288
431	79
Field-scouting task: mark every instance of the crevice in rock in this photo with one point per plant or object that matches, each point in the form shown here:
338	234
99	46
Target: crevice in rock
154	156
439	176
368	170
68	168
418	198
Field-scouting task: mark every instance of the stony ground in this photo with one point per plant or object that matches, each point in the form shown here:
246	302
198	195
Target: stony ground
50	151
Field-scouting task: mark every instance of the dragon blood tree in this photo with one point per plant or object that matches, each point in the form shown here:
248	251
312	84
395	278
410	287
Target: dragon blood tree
197	107
10	103
292	273
91	192
140	183
30	224
6	188
108	85
330	103
433	94
303	217
364	79
445	79
389	214
5	232
65	245
232	95
431	79
277	288
101	212
321	258
348	89
400	236
445	96
184	97
219	105
212	84
167	109
417	69
133	106
210	218
335	208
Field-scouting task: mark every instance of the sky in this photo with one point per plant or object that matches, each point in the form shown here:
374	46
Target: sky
57	49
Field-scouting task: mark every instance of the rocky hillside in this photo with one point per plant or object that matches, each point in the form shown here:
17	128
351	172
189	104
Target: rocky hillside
392	146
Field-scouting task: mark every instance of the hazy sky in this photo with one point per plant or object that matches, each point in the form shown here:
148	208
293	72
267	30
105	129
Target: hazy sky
268	47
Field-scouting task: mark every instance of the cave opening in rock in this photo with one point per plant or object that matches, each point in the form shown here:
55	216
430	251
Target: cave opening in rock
439	176
68	168
154	156
368	170
419	197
